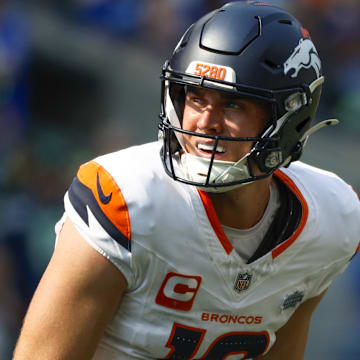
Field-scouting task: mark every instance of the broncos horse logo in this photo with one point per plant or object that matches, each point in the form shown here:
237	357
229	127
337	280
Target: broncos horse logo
303	56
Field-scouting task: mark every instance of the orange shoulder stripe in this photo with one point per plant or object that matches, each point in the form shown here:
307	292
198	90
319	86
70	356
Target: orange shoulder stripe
107	194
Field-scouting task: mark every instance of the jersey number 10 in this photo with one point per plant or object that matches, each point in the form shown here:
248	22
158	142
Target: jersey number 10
185	341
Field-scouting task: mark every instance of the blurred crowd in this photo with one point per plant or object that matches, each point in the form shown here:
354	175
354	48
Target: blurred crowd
80	77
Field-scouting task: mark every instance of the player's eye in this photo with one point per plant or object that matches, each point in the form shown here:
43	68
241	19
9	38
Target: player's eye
195	100
234	105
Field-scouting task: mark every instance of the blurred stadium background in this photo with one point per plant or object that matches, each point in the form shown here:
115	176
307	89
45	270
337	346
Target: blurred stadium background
79	78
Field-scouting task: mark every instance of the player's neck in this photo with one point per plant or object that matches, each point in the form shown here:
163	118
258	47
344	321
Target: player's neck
243	207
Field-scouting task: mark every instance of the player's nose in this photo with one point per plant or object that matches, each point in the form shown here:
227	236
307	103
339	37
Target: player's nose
210	121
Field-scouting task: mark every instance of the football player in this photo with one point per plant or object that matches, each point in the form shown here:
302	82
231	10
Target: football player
214	242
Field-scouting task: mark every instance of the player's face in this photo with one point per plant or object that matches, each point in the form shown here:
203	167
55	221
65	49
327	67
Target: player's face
214	112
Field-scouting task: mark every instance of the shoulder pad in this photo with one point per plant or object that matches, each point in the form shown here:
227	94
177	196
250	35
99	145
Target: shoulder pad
95	188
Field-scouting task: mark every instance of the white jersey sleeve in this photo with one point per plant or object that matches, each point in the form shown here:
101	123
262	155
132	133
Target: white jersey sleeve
104	224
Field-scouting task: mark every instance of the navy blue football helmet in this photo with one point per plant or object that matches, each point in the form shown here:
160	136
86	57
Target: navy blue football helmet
255	51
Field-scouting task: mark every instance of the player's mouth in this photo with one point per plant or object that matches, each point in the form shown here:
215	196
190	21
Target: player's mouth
206	150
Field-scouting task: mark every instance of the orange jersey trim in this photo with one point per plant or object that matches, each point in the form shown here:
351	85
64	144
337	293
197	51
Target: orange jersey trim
228	247
291	185
214	221
93	175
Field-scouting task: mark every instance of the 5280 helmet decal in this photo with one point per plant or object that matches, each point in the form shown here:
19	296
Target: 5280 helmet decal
303	56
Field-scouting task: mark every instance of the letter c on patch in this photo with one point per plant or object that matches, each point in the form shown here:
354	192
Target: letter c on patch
178	291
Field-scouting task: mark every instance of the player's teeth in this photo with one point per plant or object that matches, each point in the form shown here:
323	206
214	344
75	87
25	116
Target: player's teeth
210	148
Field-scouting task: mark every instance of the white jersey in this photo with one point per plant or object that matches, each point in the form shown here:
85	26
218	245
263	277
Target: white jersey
189	295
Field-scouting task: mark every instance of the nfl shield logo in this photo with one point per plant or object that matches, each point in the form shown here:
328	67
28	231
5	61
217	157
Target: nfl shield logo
242	282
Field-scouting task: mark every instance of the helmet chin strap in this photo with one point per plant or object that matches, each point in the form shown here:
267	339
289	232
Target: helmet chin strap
197	169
